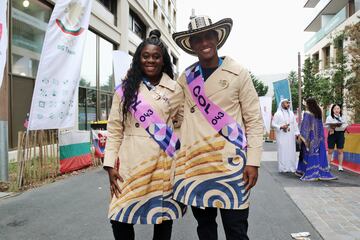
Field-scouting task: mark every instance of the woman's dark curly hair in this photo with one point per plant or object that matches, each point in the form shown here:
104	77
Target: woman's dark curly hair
332	110
135	76
313	107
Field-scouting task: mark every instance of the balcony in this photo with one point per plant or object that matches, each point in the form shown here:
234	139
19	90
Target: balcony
324	7
339	18
311	3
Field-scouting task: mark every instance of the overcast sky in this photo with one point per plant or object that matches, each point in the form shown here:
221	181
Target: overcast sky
266	34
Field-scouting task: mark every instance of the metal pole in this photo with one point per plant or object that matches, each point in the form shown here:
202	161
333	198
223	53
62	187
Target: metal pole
4	145
4	158
299	88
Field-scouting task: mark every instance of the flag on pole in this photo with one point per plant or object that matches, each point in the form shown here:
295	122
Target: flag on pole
55	96
265	105
75	150
281	90
3	38
99	141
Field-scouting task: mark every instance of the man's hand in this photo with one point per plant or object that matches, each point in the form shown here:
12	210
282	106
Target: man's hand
250	177
284	127
113	177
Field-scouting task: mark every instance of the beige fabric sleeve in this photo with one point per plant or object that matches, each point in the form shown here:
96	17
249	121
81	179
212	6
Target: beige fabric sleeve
177	114
115	133
250	108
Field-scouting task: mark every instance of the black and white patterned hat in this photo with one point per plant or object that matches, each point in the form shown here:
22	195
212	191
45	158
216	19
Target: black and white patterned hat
199	24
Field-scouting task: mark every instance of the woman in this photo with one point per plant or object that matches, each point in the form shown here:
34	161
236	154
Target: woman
336	124
313	164
140	135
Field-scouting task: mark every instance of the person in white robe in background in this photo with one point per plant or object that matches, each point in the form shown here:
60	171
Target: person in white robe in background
286	133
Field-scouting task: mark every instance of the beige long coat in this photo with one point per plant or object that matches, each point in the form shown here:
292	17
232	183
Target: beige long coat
147	171
209	172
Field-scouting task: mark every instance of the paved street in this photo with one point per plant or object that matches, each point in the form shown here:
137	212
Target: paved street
75	208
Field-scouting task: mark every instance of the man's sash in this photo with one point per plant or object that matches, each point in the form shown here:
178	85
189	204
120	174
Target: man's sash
146	116
222	122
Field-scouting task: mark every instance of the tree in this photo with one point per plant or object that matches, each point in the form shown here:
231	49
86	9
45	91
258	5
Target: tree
340	69
260	87
317	85
309	79
353	83
294	89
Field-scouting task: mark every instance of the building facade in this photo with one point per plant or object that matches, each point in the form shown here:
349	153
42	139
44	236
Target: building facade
114	25
329	18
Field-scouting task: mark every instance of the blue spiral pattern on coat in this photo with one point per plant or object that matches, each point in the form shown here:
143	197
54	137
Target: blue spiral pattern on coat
223	189
140	212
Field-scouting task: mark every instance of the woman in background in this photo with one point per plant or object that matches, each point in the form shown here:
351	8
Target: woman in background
313	165
336	124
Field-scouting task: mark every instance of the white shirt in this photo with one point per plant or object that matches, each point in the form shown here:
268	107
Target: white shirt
337	119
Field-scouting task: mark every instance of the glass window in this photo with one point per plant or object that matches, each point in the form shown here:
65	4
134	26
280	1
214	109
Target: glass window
29	24
90	106
82	109
169	9
136	25
105	105
155	10
97	80
174	17
174	59
326	51
88	67
105	66
110	5
87	107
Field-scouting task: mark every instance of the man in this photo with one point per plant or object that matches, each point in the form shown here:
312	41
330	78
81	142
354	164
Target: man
217	165
286	129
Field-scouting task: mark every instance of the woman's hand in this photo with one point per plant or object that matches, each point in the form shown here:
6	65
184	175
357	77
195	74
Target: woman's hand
113	177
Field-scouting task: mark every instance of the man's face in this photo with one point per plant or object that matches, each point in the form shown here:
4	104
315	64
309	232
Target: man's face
285	105
205	45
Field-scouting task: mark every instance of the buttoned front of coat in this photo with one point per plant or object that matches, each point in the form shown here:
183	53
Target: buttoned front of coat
206	159
145	168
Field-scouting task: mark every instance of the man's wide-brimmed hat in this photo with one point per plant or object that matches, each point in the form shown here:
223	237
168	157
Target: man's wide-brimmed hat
199	24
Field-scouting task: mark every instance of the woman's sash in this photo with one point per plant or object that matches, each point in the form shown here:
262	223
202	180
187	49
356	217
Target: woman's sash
148	119
222	122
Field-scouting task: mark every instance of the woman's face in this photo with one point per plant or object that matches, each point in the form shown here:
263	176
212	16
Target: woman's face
337	110
151	60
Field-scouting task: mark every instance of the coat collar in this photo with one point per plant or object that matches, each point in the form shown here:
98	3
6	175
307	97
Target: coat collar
230	65
167	82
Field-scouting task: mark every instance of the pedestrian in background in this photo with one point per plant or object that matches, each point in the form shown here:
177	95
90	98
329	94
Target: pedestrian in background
336	124
287	131
140	135
313	165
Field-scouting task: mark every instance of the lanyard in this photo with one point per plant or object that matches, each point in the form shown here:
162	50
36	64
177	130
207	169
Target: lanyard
219	63
152	88
148	84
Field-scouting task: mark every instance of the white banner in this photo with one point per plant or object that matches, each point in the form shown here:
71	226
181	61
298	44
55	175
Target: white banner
266	104
121	62
3	37
55	97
